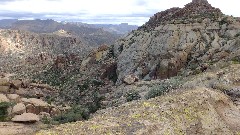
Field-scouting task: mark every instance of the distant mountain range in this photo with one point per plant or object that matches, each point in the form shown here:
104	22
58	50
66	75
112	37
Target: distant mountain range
94	36
45	26
7	23
122	28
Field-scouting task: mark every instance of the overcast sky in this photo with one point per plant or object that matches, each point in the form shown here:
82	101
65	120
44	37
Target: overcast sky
99	11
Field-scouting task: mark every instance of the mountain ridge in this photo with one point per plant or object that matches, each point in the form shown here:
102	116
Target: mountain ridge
195	9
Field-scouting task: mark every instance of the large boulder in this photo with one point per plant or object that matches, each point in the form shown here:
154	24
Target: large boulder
4	89
130	79
3	98
30	108
26	117
17	83
38	102
14	97
4	82
19	108
38	105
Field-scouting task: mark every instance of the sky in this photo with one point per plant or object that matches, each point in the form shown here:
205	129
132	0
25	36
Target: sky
135	12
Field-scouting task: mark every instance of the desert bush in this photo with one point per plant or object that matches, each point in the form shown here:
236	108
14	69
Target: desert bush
132	95
223	21
236	60
238	34
3	110
77	113
96	102
164	87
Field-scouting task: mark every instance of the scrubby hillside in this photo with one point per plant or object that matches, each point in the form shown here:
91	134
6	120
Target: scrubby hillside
191	52
197	111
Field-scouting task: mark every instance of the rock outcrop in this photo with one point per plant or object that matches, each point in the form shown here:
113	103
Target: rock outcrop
26	117
192	12
175	39
18	105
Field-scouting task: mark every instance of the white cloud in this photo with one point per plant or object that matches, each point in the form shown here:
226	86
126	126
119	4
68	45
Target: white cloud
89	9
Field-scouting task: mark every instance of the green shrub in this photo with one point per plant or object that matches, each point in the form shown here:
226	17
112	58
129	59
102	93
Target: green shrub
224	21
3	110
77	113
237	35
132	95
157	91
97	83
236	60
164	87
47	120
120	49
96	102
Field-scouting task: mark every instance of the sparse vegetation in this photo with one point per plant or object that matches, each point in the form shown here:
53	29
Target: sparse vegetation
237	35
165	87
120	49
3	110
77	113
223	21
132	95
236	60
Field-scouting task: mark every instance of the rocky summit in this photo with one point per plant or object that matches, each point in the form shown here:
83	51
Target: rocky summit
193	11
176	74
193	36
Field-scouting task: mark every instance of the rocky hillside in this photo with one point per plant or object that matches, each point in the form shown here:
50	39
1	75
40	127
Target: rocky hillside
191	52
176	74
24	51
197	111
206	103
189	38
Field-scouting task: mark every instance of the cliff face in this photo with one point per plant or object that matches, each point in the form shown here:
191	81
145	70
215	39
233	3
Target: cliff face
191	37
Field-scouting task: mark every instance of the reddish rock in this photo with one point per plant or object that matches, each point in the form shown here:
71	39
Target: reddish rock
30	109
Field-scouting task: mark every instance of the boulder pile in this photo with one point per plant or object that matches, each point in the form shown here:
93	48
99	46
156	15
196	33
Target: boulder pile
25	109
